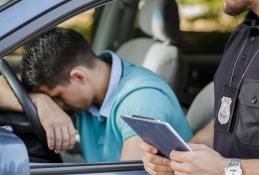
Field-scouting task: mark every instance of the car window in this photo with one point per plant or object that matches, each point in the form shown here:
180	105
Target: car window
122	26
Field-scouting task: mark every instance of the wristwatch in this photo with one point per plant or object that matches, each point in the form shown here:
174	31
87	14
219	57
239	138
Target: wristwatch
234	167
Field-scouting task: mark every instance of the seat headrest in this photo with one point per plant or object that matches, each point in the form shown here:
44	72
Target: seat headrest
160	19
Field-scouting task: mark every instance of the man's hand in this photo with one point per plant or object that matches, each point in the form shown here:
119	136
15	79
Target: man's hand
59	127
201	161
154	164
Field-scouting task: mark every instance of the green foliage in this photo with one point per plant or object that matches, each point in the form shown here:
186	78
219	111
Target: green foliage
2	2
211	3
214	15
86	30
215	6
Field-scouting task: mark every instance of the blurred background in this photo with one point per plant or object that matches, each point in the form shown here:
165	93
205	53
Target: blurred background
195	15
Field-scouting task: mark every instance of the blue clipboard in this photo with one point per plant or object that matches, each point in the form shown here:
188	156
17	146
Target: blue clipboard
159	134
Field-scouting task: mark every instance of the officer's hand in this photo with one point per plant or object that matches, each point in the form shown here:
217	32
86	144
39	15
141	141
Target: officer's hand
201	161
154	164
57	124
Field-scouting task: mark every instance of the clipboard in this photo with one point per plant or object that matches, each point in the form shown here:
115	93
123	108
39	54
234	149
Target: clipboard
159	134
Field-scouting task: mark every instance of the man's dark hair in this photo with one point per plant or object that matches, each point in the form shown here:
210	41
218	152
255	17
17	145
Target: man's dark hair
49	58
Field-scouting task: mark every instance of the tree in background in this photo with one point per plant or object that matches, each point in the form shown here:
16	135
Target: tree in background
206	15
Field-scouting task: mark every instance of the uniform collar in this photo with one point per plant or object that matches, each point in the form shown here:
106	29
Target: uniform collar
252	20
115	77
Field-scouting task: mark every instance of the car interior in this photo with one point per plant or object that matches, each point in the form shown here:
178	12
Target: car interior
156	42
146	33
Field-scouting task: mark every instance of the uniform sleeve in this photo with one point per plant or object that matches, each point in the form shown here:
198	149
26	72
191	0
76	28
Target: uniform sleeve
154	104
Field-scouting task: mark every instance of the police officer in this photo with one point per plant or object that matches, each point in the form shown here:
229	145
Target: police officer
234	133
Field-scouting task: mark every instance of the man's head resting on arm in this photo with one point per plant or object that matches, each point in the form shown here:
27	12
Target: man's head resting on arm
61	64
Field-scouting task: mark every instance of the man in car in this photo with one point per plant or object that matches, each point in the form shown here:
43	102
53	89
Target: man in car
61	64
234	132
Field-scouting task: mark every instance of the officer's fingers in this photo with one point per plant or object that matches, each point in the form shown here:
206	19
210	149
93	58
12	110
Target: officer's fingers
179	173
147	148
159	168
152	172
155	159
58	139
181	156
180	167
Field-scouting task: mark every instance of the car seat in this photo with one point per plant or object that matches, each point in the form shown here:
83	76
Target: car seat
201	110
159	20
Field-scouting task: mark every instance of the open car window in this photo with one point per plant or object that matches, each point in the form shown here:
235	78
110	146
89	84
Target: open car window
107	27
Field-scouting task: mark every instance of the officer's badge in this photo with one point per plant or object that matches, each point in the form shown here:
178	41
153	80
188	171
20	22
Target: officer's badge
224	110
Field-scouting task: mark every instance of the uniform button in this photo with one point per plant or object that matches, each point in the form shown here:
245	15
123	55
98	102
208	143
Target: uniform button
244	56
254	100
252	38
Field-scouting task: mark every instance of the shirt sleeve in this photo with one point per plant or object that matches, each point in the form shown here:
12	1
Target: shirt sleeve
154	104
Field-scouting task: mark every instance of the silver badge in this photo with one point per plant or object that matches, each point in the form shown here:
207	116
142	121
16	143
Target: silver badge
224	110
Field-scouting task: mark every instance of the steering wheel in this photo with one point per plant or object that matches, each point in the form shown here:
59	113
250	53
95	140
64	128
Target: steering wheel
28	107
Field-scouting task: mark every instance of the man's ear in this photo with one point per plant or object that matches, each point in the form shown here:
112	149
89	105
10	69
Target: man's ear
78	74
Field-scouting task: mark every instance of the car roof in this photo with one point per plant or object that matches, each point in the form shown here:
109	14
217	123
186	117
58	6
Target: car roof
18	26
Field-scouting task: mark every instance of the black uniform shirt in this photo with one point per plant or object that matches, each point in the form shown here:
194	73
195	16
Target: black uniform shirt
242	47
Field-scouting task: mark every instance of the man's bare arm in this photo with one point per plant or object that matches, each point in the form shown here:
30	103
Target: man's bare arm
205	136
131	150
8	101
59	128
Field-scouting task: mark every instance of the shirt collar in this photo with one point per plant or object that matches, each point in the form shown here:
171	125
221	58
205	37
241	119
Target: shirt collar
115	77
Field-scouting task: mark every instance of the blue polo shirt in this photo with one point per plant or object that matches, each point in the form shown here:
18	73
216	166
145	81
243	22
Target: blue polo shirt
132	90
115	77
